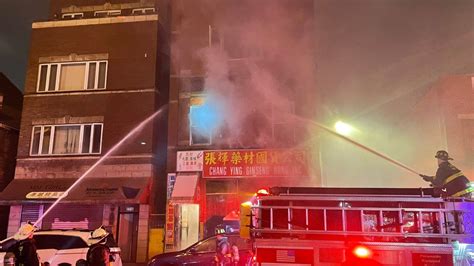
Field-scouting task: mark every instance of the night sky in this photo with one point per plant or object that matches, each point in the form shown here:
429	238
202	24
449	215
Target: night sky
360	42
16	17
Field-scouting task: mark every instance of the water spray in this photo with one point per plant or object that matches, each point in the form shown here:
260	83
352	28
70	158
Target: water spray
113	149
379	154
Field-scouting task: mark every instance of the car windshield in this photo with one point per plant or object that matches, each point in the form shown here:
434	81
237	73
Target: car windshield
208	245
59	242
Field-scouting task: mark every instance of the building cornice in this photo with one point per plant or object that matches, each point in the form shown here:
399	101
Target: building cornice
153	90
93	21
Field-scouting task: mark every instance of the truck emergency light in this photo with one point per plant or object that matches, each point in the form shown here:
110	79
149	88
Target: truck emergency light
263	192
362	252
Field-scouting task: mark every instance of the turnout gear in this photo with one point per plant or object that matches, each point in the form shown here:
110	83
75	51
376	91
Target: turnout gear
451	179
25	253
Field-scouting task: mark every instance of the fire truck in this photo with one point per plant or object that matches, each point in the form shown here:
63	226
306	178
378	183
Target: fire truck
358	226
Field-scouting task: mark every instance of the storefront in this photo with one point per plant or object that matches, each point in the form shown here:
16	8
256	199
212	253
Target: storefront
214	183
116	203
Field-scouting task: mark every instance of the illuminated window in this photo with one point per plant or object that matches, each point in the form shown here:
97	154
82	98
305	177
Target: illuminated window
199	133
72	15
72	76
143	11
66	139
107	13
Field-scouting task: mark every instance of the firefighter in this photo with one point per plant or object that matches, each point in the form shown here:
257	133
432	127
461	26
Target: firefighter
449	178
223	248
99	253
25	249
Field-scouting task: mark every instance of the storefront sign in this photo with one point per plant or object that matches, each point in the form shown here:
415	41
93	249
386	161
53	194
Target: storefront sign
189	161
255	163
169	234
170	184
44	194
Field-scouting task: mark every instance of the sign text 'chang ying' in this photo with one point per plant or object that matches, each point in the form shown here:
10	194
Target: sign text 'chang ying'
255	163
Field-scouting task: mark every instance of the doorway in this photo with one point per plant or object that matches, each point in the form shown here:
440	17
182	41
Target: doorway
188	227
127	232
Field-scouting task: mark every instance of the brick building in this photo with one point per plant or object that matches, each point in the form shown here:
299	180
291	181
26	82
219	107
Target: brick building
10	111
242	80
96	70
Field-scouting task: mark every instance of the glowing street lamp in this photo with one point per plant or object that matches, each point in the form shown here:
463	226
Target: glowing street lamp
343	128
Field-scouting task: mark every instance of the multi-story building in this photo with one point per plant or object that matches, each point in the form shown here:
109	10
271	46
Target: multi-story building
10	110
96	70
242	97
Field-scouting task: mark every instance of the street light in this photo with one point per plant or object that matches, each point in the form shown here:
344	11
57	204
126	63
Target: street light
343	128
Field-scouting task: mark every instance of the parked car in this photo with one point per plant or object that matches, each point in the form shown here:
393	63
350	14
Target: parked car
203	252
60	247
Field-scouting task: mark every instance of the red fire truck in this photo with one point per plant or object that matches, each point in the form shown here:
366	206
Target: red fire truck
354	226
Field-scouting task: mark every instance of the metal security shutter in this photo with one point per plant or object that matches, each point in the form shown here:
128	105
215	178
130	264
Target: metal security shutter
31	213
74	216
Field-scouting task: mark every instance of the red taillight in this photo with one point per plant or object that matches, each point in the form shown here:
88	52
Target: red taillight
362	252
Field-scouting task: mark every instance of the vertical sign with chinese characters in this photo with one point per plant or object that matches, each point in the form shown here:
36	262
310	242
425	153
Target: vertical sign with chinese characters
255	163
189	161
169	234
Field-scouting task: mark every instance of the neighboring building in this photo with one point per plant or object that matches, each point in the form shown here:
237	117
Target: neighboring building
96	70
455	97
11	101
242	82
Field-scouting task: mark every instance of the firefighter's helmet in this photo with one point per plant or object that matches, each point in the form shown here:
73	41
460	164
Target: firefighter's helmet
99	233
443	155
25	231
220	230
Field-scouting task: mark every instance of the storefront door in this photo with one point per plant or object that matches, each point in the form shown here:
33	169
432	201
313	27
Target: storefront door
188	227
127	232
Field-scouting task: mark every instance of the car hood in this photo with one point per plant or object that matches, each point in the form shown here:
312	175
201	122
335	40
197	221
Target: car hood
167	255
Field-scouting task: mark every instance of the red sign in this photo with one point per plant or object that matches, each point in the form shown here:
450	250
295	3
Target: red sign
430	259
255	163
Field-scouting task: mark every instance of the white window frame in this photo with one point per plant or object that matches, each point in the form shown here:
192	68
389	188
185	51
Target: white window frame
86	76
72	15
51	139
108	13
142	11
191	132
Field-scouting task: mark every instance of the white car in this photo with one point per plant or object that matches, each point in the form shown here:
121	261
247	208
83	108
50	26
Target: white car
60	247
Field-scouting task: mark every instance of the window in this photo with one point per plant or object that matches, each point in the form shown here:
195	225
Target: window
72	76
73	15
200	134
143	11
59	242
107	13
66	139
208	245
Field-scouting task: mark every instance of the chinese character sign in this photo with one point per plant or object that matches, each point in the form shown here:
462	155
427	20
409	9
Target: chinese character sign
189	161
255	163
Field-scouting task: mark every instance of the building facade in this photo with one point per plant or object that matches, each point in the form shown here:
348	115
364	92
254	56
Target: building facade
10	111
242	92
97	70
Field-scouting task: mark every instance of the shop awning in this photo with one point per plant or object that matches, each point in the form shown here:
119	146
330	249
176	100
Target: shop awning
89	190
184	188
